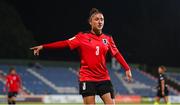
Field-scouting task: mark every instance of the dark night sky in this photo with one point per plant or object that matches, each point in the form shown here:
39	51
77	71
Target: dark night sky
145	31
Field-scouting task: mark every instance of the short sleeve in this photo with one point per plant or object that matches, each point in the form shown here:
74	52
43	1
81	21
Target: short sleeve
161	77
112	47
74	42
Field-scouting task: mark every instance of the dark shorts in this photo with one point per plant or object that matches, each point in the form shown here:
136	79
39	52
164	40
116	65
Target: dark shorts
12	94
87	88
159	93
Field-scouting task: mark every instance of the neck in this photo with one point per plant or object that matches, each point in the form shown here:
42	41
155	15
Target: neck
97	32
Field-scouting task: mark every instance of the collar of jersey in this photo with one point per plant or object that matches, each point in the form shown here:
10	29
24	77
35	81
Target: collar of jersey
95	36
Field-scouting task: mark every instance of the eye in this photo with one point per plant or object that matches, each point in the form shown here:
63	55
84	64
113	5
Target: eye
96	19
102	19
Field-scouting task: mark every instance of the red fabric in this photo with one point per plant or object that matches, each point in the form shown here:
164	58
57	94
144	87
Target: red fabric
112	48
122	61
93	50
54	45
13	82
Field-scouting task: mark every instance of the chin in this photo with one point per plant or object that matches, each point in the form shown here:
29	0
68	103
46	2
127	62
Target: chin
100	28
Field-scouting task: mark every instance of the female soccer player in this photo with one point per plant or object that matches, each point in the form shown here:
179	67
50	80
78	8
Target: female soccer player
93	47
13	84
162	89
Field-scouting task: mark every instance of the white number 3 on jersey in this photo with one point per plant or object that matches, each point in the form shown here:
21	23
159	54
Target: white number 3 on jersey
97	50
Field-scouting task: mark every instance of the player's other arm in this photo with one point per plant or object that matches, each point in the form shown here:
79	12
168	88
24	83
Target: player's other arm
162	86
122	61
6	84
115	53
20	82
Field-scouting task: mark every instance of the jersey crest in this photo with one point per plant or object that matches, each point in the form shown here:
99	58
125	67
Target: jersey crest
105	41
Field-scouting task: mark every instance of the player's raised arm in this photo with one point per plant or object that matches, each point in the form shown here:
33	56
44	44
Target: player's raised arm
115	53
54	45
72	43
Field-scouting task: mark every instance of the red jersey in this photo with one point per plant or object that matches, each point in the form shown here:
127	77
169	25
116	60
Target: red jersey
93	50
13	82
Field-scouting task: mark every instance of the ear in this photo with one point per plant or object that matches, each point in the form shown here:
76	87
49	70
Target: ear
89	21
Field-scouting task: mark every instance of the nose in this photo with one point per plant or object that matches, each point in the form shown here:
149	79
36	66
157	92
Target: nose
100	21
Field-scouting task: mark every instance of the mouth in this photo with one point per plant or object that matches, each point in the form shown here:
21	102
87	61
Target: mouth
99	26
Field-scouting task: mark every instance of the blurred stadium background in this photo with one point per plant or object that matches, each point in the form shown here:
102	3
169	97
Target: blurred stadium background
146	32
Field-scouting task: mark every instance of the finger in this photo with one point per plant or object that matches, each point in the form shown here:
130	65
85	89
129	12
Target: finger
32	48
37	53
130	75
129	78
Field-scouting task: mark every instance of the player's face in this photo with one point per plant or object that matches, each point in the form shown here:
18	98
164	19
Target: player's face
160	70
13	72
97	22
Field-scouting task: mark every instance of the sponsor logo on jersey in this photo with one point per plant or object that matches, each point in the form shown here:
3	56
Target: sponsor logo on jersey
72	38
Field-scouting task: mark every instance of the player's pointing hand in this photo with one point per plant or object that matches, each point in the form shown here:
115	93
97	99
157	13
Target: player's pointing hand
36	49
129	75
